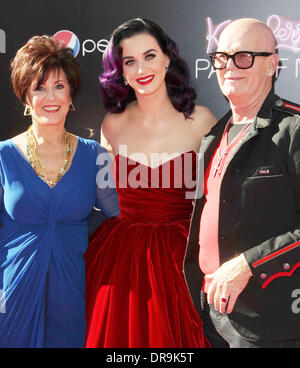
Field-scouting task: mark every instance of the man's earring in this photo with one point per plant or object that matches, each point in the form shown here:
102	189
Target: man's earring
27	111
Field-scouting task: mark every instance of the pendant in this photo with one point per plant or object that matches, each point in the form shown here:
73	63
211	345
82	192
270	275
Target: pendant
216	168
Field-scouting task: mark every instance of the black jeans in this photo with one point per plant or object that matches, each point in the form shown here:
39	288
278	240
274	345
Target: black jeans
221	334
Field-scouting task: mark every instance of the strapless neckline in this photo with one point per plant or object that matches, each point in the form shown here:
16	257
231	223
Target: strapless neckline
160	165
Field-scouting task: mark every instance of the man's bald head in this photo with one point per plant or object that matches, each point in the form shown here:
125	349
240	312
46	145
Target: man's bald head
254	30
244	86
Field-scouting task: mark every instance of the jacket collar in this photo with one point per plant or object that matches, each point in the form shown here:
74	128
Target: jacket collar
211	140
263	119
264	115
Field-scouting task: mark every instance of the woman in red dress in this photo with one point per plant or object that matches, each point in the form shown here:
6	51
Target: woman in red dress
136	293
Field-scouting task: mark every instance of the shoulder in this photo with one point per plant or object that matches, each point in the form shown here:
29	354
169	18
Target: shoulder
5	145
203	112
18	141
203	119
288	107
289	115
91	145
112	122
7	155
108	131
112	127
94	153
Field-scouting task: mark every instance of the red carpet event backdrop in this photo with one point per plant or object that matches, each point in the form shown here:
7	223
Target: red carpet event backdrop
86	25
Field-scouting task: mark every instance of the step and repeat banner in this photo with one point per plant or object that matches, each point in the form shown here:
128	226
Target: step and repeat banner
195	25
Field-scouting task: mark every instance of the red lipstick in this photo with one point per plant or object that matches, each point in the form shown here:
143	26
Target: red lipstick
146	80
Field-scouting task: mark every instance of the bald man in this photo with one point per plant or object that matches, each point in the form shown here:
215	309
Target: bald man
242	262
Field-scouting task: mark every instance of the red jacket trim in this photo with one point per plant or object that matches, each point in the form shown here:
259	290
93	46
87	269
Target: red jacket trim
280	274
276	254
290	106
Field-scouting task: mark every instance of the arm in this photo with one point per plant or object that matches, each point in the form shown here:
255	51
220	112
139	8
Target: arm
106	130
106	194
276	257
1	195
280	255
107	197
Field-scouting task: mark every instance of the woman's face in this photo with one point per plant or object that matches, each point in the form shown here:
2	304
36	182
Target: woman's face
50	101
144	63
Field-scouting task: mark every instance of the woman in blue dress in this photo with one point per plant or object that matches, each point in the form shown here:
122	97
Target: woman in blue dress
47	190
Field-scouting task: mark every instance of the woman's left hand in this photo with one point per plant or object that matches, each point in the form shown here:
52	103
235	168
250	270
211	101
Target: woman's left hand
227	282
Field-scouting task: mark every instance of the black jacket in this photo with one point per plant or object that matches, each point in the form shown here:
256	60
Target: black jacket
259	215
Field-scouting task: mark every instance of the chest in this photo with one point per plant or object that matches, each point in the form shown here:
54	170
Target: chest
163	138
27	198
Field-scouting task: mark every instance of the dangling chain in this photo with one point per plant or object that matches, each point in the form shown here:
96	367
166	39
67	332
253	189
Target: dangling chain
35	161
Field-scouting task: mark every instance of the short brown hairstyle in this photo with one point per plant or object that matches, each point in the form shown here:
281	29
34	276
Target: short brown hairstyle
39	56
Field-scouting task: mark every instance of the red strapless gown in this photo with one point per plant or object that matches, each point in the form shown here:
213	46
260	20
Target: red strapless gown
135	289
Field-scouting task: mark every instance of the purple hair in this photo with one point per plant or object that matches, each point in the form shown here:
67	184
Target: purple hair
116	95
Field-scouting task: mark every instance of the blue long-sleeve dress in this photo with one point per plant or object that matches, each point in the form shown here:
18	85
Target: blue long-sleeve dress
43	238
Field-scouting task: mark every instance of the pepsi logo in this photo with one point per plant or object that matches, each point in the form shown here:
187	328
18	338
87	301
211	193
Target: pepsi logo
68	39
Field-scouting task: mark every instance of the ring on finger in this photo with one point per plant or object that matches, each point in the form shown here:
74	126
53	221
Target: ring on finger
224	299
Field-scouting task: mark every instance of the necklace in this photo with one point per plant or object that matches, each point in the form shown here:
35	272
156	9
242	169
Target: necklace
224	148
36	163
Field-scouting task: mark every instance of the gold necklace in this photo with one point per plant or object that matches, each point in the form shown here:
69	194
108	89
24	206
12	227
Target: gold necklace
36	163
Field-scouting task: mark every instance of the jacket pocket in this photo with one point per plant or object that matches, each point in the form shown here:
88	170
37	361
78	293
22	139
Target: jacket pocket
265	172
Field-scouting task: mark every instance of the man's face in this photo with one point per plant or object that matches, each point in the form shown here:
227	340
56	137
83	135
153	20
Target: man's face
245	84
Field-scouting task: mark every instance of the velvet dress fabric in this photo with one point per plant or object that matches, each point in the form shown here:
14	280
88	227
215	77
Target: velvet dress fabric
135	289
